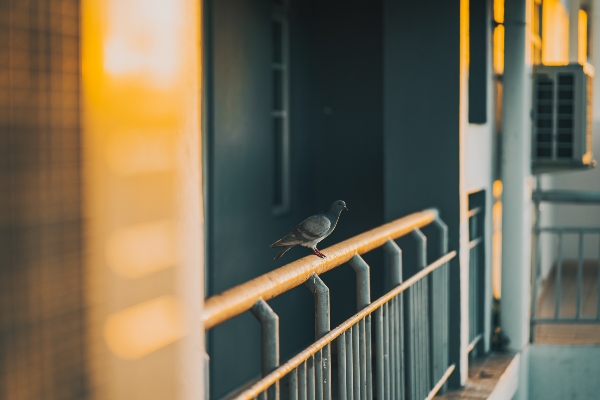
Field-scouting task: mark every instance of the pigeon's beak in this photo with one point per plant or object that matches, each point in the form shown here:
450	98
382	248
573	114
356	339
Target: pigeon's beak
346	208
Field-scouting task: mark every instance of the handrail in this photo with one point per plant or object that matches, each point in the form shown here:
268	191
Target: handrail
295	361
566	196
232	302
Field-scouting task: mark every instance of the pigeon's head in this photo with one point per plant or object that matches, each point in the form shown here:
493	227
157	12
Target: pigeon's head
337	206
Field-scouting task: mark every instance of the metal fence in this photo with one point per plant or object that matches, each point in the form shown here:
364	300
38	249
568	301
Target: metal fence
476	280
395	347
560	234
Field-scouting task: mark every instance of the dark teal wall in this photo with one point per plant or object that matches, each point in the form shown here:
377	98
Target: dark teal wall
421	122
336	153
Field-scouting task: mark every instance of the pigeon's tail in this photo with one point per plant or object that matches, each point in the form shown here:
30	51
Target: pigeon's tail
282	252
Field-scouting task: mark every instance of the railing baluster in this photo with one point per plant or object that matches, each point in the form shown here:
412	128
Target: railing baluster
421	315
426	334
310	373
580	277
369	357
322	327
379	343
392	352
598	285
419	339
398	351
558	294
269	327
341	345
327	388
386	347
206	376
302	381
356	361
411	351
293	382
363	359
349	365
319	375
444	300
363	299
395	268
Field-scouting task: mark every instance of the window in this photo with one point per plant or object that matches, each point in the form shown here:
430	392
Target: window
478	64
280	108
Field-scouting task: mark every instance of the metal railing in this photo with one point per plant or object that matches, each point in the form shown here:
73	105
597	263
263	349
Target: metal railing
560	233
393	348
476	280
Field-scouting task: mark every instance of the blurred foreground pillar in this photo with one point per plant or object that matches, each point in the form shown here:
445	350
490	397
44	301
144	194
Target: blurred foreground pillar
143	198
42	309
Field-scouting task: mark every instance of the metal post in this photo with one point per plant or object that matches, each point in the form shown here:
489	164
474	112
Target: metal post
322	327
302	389
536	270
422	243
363	291
363	299
580	277
269	326
394	252
422	316
379	354
293	381
558	295
598	289
341	344
206	376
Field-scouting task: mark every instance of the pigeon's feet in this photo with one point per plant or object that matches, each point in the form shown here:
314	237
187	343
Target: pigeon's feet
318	253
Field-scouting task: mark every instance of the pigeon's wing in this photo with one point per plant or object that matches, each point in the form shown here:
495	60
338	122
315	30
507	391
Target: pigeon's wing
313	227
307	231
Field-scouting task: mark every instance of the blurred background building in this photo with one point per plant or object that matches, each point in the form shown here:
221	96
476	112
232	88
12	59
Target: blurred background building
153	150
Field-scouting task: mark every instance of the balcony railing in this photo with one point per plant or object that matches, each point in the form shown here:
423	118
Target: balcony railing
559	295
476	281
395	347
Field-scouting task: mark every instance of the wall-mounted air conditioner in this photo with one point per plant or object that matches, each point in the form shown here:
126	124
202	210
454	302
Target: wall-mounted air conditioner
562	118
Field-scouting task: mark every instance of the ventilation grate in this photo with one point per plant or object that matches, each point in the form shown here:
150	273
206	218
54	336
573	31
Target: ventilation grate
565	116
544	92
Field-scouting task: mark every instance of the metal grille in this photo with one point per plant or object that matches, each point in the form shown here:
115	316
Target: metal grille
565	116
41	311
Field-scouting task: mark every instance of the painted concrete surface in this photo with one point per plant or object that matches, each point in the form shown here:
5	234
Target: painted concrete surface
564	372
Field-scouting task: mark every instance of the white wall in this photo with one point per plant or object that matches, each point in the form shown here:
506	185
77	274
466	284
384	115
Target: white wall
479	157
588	180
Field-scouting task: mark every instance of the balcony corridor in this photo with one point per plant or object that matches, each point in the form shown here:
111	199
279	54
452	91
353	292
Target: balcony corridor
569	333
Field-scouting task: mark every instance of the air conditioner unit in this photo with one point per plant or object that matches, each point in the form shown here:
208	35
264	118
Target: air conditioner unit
562	118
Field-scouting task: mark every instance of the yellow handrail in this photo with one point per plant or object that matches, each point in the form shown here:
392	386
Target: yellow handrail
221	307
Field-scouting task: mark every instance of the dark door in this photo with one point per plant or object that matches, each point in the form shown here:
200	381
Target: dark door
255	192
294	96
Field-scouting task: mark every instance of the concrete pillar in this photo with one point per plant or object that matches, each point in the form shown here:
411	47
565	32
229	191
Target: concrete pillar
516	177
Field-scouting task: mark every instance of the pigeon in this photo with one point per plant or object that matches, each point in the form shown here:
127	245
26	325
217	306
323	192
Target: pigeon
312	230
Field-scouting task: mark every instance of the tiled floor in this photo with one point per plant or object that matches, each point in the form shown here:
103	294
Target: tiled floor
484	378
